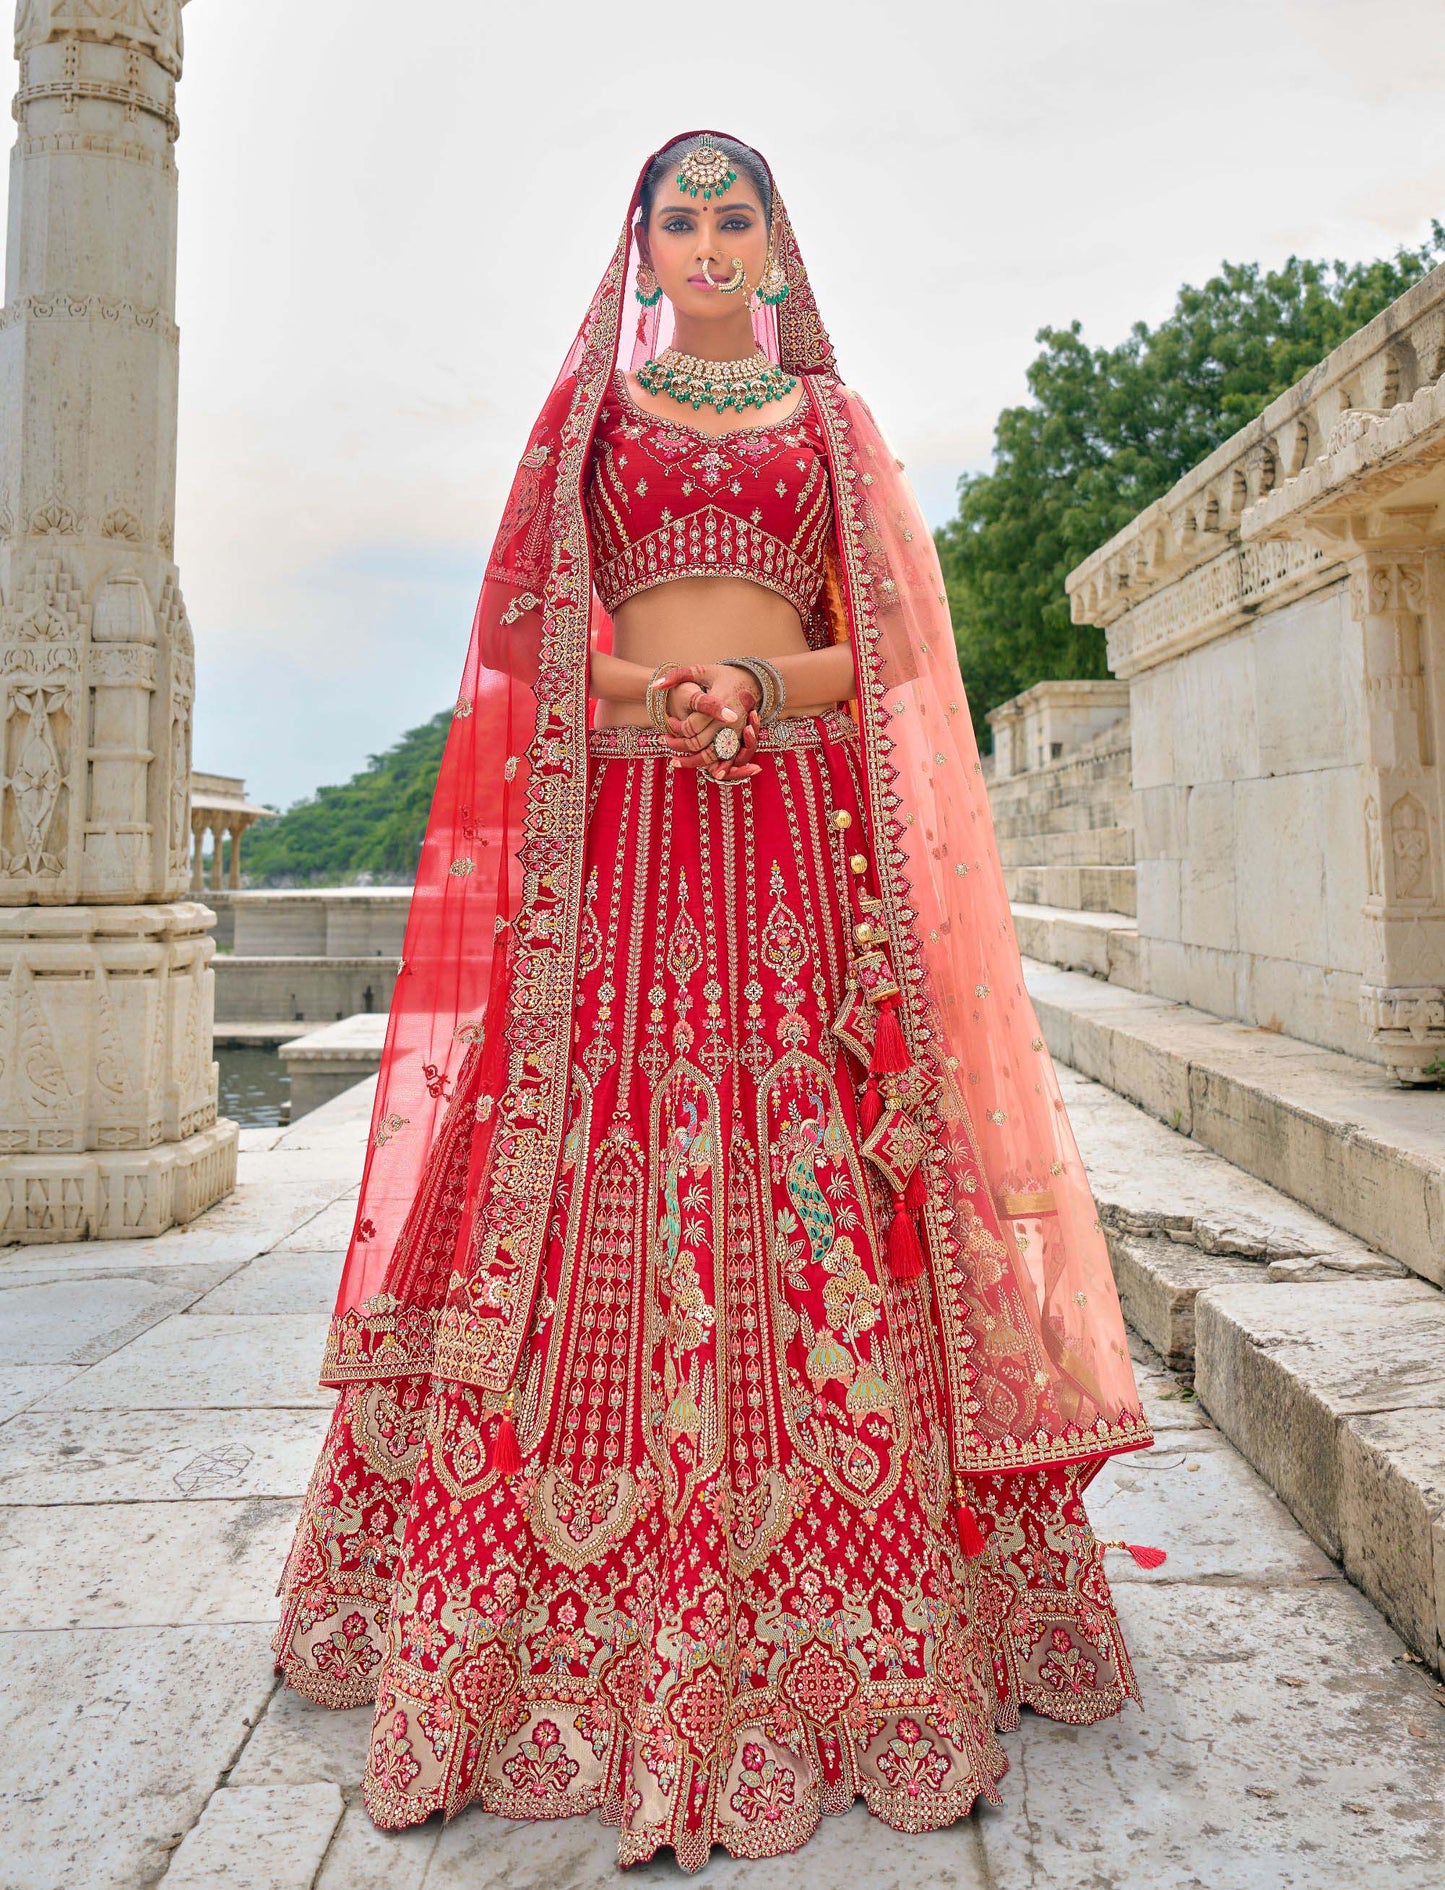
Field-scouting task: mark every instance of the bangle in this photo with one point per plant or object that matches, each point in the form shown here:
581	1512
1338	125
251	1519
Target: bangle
780	688
770	683
656	698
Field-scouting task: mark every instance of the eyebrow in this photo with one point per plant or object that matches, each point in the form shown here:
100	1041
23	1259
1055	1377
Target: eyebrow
691	209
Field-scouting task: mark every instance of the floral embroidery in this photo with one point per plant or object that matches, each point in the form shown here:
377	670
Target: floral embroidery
765	1789
393	1763
911	1762
541	1765
347	1652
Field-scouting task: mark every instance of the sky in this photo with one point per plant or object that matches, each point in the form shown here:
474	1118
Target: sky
392	218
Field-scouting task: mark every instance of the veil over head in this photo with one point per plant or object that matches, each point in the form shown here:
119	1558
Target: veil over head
441	1274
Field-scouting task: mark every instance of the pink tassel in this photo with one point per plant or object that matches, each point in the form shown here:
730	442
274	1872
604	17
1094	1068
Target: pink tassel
1141	1552
890	1052
905	1256
871	1107
1145	1556
970	1536
506	1457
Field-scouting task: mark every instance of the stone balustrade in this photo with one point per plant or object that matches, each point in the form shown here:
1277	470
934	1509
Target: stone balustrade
1279	616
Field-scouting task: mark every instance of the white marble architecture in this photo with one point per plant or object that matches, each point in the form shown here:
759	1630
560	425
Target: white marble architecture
1051	722
220	812
108	1121
1279	616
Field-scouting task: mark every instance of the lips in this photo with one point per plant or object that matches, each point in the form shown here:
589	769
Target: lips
701	282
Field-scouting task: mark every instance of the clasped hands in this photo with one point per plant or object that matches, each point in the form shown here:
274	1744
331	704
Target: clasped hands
701	698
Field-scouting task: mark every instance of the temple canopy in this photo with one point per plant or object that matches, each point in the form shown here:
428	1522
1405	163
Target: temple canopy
219	808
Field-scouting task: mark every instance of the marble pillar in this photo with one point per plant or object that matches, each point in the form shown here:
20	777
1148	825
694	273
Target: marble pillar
108	1116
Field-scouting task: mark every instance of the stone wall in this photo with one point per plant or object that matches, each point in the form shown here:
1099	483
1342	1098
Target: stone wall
1248	761
1050	722
1279	617
327	922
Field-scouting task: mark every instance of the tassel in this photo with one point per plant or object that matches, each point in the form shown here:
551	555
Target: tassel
506	1458
871	1106
890	1052
1145	1556
916	1193
905	1256
1141	1552
970	1536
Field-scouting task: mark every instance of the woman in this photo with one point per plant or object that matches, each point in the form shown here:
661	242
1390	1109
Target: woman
727	1335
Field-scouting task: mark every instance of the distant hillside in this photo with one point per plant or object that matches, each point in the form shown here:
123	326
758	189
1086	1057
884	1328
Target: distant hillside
371	827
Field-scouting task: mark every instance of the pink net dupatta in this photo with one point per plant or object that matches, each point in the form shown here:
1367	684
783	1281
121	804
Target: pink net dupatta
441	1274
1037	1355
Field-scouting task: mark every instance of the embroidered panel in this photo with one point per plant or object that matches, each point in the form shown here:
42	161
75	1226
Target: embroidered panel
724	1592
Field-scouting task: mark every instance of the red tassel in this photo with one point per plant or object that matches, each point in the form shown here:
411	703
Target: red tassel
506	1458
1145	1556
905	1256
871	1106
890	1052
970	1536
916	1193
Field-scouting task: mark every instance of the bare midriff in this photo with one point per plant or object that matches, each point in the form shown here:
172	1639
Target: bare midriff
702	620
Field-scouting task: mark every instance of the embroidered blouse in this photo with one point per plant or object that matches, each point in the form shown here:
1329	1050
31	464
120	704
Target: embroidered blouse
666	501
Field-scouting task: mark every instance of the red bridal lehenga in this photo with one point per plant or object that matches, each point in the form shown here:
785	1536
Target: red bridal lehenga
727	1336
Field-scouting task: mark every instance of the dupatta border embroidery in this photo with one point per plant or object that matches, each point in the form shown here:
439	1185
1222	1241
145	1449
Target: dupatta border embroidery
481	1330
973	1453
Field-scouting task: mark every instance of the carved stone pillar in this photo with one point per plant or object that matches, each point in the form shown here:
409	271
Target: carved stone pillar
107	1086
1397	595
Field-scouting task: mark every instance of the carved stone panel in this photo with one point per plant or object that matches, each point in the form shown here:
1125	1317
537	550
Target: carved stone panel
154	25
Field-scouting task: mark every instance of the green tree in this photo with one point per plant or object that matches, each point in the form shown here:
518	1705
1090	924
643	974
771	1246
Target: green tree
1108	430
372	825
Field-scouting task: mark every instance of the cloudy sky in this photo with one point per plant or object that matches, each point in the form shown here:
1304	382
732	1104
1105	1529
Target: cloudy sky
392	216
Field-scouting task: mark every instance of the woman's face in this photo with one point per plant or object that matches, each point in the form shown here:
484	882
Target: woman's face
685	233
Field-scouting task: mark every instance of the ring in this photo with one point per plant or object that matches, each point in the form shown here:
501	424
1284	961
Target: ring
726	743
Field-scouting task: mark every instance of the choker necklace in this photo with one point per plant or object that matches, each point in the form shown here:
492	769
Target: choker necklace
694	382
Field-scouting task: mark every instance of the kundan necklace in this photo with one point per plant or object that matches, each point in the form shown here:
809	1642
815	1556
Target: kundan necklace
694	382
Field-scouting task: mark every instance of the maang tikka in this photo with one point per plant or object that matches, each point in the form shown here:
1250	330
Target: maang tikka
705	172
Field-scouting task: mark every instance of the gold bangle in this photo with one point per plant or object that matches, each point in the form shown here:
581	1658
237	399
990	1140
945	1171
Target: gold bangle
655	699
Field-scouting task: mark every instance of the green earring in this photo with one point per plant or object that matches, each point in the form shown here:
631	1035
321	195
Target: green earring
648	290
774	286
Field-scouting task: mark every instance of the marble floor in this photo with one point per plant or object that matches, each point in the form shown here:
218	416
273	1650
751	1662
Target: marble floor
158	1419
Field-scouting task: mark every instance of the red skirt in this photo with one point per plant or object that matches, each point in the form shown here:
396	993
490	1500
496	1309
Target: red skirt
724	1594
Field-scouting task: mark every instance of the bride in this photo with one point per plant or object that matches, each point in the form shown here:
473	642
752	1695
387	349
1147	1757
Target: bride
727	1337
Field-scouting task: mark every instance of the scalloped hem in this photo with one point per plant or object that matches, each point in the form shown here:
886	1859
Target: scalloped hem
691	1851
909	1814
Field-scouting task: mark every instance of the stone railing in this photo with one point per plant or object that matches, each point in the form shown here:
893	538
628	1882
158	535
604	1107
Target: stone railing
1191	540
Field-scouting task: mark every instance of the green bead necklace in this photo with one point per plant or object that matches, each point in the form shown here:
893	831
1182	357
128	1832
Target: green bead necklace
694	382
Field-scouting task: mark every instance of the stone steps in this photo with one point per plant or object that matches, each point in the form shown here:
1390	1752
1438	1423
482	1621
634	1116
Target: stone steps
1333	1133
1078	888
1091	846
1104	944
1016	817
1317	1357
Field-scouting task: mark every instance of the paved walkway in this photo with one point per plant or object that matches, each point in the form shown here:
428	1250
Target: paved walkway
159	1416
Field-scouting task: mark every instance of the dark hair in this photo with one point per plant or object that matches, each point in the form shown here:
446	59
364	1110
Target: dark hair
743	158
